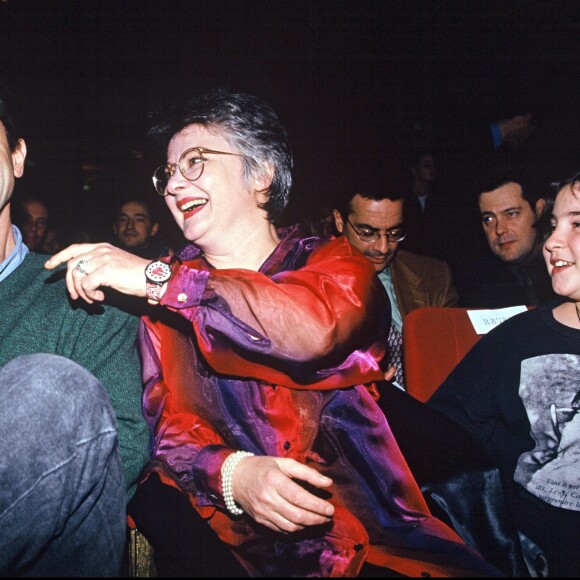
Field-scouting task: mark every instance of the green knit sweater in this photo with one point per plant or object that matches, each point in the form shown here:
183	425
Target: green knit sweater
37	315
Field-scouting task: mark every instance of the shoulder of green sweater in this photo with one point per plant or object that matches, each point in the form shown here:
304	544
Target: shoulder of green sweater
33	273
52	283
33	266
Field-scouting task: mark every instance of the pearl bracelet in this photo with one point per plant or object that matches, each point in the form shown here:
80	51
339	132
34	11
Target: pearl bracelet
228	468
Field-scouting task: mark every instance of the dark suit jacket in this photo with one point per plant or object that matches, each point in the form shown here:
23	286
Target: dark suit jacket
422	281
426	230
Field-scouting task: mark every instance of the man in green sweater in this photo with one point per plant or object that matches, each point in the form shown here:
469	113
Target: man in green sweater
73	438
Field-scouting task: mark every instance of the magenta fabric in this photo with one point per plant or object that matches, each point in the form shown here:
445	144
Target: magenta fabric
275	362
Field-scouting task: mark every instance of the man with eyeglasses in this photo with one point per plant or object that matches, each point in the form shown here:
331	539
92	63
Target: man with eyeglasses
371	218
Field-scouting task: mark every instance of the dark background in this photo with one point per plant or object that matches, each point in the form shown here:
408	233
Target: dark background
364	80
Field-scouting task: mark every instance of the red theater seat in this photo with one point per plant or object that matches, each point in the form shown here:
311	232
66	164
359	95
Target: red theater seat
435	339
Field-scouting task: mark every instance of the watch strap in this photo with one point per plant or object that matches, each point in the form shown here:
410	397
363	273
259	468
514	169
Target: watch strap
154	292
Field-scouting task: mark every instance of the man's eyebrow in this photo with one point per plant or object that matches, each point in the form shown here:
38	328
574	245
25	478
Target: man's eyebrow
369	227
138	214
366	226
505	210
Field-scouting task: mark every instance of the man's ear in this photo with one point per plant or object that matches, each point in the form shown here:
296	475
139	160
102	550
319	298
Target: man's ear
338	222
154	229
540	207
18	157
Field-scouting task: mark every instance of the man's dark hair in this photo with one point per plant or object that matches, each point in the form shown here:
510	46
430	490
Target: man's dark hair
371	180
534	185
418	154
250	126
8	119
151	206
18	212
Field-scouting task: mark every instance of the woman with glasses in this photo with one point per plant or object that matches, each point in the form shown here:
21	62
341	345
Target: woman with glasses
258	366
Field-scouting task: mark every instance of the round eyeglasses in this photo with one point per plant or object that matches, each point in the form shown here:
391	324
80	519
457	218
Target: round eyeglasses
369	236
191	164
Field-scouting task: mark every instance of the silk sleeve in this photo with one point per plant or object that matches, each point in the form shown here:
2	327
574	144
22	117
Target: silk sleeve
324	324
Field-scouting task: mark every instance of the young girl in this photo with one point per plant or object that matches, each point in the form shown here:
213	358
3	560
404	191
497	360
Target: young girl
516	392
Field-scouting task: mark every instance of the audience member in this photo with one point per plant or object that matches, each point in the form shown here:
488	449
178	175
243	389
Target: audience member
371	218
52	242
425	212
468	141
319	222
32	217
473	144
516	393
510	203
71	450
512	131
135	229
259	412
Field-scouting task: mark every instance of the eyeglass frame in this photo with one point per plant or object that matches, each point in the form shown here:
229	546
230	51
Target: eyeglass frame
378	234
172	166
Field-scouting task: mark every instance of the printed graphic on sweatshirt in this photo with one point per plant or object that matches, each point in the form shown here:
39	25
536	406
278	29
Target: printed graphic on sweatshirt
550	391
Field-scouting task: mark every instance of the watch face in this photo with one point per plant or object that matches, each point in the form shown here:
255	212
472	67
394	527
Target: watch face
158	272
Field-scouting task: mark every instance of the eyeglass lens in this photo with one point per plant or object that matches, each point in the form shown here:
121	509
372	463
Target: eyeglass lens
394	235
190	165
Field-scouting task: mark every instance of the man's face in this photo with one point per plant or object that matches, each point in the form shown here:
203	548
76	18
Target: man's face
425	169
133	226
508	221
35	224
370	215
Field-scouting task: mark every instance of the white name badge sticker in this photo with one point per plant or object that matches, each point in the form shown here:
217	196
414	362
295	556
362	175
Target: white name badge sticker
484	320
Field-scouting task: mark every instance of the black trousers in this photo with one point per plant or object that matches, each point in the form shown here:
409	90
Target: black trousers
184	544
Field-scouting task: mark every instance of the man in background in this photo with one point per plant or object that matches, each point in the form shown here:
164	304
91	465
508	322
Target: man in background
426	209
371	217
32	217
510	203
135	229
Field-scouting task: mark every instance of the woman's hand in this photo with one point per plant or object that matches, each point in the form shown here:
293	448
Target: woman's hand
269	490
92	266
390	373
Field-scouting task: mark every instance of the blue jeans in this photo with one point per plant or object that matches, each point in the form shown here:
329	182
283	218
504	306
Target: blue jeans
62	499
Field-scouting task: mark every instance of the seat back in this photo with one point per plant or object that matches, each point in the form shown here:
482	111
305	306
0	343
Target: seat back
435	339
